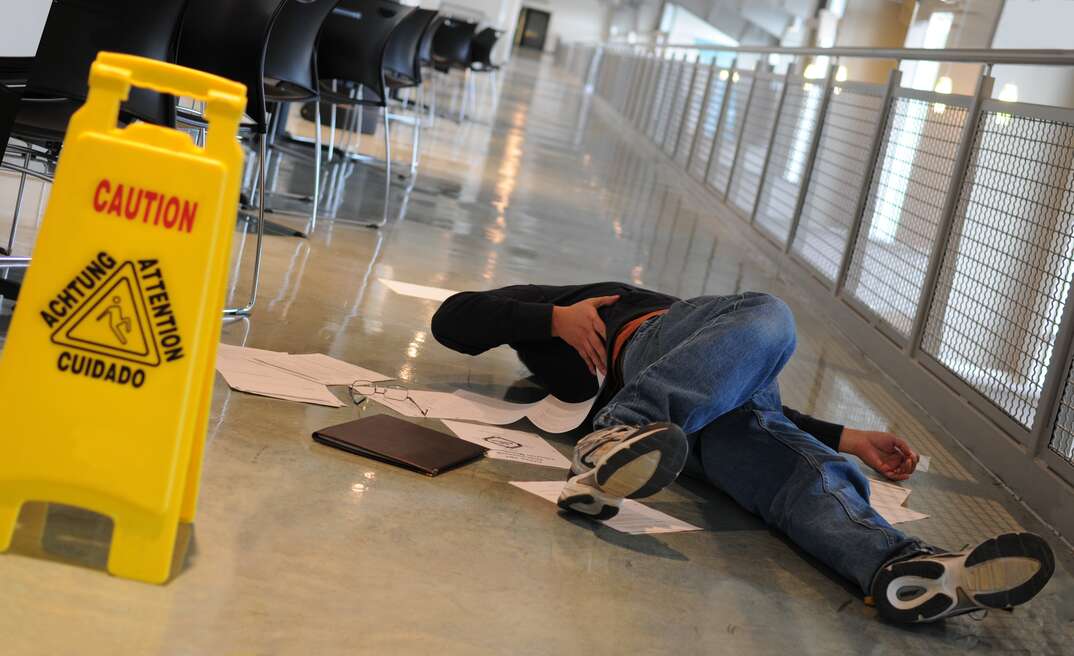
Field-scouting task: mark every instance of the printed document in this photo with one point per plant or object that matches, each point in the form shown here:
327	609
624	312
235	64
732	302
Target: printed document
243	371
506	444
633	518
888	499
438	294
321	368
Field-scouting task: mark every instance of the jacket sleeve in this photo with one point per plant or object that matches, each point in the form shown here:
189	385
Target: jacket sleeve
826	432
474	322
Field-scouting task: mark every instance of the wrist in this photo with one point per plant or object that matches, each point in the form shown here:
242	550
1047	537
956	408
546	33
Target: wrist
848	441
557	316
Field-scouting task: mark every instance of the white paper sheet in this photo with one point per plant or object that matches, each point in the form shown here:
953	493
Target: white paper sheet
321	368
506	444
549	414
438	294
924	463
888	499
243	371
633	518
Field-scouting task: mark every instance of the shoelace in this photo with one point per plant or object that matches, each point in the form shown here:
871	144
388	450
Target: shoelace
602	439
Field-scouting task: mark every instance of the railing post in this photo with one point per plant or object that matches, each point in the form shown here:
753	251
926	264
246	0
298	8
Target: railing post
874	163
702	115
811	159
648	100
742	124
771	141
727	90
686	105
671	102
950	209
640	68
594	67
1055	380
662	100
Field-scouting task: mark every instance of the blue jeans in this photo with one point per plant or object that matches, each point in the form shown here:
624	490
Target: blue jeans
710	366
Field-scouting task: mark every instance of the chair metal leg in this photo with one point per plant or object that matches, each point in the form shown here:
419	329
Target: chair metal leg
245	310
387	166
416	146
18	206
465	88
316	166
432	105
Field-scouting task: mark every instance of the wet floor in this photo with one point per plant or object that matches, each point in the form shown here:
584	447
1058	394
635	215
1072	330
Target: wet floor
299	549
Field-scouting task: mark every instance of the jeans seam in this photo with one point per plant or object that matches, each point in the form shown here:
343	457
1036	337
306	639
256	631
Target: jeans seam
823	479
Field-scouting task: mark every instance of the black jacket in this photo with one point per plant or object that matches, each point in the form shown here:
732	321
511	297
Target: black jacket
521	317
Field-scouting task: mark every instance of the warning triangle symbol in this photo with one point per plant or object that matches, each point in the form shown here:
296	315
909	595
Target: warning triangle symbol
113	321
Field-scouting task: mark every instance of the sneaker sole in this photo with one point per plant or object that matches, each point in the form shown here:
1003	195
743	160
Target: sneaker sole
587	503
643	465
1000	573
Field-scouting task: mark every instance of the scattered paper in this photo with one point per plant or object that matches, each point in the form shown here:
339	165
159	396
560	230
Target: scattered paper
243	371
924	463
633	518
438	294
888	499
549	414
506	444
321	368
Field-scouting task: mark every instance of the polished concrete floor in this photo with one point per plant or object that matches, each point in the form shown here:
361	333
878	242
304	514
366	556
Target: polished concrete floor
299	549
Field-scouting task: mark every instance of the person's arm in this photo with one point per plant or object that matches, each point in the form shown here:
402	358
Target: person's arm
474	322
827	432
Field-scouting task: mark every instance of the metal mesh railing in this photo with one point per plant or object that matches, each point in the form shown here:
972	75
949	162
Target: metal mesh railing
1010	256
839	171
790	152
904	210
753	143
692	114
723	153
938	229
710	119
678	106
1062	438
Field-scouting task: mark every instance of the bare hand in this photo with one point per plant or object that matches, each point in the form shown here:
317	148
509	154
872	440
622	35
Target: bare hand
580	326
888	454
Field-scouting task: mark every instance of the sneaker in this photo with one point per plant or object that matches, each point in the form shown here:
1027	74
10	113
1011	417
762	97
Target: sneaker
1001	573
622	462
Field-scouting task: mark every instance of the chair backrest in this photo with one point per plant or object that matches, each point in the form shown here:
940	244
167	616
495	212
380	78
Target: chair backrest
425	48
354	41
230	38
481	47
76	30
291	58
451	45
401	56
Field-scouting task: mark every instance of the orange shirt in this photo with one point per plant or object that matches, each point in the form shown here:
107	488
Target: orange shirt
627	331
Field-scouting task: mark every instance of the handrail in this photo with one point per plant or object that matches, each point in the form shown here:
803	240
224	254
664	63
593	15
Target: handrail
961	55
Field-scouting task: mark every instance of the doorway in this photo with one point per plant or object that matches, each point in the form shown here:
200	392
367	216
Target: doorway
532	28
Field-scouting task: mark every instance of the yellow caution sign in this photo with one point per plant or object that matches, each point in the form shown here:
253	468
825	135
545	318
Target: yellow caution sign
107	371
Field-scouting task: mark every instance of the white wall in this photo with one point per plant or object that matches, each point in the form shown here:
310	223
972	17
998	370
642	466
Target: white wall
1037	24
21	23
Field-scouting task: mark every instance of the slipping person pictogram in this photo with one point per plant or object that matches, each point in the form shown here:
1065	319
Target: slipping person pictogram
117	321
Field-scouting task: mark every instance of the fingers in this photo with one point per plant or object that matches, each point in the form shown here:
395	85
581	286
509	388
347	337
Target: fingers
596	350
601	301
598	326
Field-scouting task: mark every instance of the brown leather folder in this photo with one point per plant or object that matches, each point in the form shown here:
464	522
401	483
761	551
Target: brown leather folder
399	442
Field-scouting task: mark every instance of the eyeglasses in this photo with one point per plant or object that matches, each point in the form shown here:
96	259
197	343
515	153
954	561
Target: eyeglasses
361	390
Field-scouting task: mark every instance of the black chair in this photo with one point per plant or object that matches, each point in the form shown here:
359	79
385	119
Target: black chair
291	77
484	42
351	53
56	79
402	72
230	38
451	51
425	59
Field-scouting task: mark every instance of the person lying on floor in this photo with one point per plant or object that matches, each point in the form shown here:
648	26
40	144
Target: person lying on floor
692	383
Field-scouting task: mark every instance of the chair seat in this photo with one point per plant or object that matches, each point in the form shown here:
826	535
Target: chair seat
43	120
342	98
282	91
15	70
